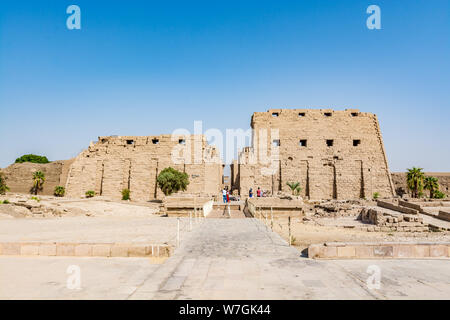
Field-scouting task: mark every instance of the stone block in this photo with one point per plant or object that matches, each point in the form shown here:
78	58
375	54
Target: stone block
47	249
65	249
140	250
119	250
164	251
101	250
329	252
421	251
364	252
347	252
404	251
438	251
10	249
314	251
29	249
83	250
383	251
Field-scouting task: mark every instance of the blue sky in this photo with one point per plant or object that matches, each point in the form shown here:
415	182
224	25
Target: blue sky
149	67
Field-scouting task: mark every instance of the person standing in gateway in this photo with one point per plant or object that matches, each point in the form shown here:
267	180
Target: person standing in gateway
224	195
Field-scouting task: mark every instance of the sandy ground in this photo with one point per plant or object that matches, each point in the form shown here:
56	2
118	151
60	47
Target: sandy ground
100	208
94	207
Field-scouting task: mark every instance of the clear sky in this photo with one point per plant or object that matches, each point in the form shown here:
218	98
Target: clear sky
149	67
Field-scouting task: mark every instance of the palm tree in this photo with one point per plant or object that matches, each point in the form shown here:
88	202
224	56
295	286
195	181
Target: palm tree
414	180
38	181
431	183
295	187
3	186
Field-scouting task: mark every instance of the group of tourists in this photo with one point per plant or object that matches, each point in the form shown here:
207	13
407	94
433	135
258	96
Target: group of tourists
259	193
226	195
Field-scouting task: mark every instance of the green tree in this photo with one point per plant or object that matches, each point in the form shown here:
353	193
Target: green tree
431	184
295	187
60	191
171	181
32	158
3	187
414	180
38	181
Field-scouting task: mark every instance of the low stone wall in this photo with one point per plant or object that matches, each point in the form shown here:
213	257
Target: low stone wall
268	205
181	206
396	207
420	205
387	250
415	206
84	249
444	215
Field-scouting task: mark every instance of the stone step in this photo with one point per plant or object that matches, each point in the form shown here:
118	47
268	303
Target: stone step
221	213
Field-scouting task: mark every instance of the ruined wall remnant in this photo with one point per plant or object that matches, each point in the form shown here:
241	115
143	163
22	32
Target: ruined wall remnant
116	163
20	175
333	154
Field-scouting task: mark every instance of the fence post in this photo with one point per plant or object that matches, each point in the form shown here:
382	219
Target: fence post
271	218
289	225
265	218
178	232
195	214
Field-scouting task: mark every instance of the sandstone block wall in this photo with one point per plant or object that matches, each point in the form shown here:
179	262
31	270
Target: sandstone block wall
333	154
381	250
116	163
20	175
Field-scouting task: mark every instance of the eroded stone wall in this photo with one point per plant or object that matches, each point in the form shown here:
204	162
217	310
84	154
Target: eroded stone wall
333	154
20	176
116	163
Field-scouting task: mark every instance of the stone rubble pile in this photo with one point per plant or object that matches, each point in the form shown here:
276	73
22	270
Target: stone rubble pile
390	221
25	207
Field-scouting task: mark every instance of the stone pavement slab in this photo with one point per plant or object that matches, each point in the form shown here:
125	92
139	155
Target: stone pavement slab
47	277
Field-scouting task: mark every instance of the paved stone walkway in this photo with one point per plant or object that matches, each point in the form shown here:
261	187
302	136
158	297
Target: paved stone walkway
241	259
